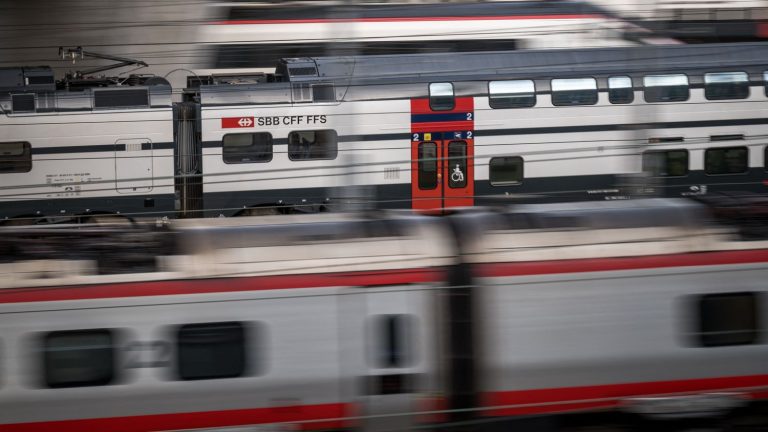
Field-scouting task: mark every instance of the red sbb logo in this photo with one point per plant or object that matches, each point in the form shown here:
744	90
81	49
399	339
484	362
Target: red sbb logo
236	122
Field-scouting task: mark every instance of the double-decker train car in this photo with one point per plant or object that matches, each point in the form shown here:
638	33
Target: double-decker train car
539	318
417	131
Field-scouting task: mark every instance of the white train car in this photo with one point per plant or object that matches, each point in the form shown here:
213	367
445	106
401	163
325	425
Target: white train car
493	319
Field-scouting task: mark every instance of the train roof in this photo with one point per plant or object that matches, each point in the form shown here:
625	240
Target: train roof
527	62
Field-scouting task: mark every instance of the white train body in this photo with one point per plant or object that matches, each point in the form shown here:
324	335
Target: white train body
381	324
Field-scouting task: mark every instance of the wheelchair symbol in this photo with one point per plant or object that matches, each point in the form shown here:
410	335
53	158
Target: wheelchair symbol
457	176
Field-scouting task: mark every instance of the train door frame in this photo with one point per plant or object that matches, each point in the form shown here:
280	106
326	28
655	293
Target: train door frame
132	156
445	137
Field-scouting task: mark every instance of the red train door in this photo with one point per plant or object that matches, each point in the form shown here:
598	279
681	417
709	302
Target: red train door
442	155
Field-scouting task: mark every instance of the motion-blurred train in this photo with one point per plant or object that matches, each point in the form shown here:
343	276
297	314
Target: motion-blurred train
249	36
417	131
539	317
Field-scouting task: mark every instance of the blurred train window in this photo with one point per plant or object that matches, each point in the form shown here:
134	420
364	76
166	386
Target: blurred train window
79	358
247	147
427	165
620	90
574	91
765	158
726	160
211	351
15	157
441	96
133	98
728	319
726	85
507	170
313	145
666	88
392	334
511	94
666	163
22	103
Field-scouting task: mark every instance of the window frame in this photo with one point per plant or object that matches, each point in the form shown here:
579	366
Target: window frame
687	162
245	356
506	183
631	90
753	334
113	357
552	91
403	327
26	158
706	89
646	87
507	105
232	162
746	164
436	105
335	144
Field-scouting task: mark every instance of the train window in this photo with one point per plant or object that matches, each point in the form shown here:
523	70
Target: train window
427	165
507	170
667	163
313	145
133	98
728	319
574	91
23	103
765	82
211	351
441	96
666	88
323	93
620	90
726	85
511	94
726	160
392	334
457	164
15	157
79	358
247	147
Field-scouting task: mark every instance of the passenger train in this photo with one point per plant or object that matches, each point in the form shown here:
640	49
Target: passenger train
538	317
429	131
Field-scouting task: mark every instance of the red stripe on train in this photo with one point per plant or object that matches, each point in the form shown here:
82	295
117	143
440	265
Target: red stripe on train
326	416
412	19
220	285
526	268
524	402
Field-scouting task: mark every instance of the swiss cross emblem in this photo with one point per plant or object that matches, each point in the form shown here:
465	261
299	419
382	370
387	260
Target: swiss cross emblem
236	122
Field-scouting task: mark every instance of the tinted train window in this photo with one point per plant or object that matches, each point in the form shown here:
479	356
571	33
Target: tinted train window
666	88
441	96
511	94
668	163
765	82
15	157
134	98
211	351
427	165
392	334
574	91
79	358
506	170
313	145
247	147
728	319
620	90
22	103
726	160
726	85
323	93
